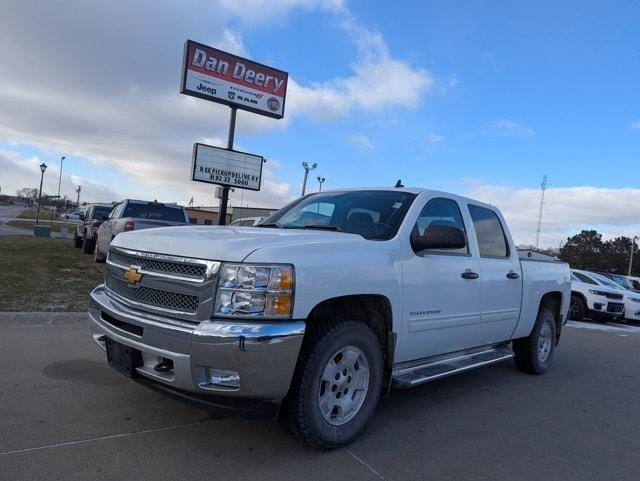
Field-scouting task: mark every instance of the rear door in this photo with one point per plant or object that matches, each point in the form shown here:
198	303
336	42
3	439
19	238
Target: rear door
441	308
501	276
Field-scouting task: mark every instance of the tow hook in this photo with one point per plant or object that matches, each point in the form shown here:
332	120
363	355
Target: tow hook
164	366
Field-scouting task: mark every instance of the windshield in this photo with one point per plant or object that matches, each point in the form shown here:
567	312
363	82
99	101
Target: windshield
606	281
373	214
623	281
101	211
154	211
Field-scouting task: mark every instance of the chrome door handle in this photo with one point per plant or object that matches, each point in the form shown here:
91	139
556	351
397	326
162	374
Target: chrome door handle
470	275
513	275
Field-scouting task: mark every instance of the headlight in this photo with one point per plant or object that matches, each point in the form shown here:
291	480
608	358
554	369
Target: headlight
634	299
598	293
247	290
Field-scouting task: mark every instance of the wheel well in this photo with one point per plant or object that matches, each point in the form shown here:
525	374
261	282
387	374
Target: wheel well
372	309
553	302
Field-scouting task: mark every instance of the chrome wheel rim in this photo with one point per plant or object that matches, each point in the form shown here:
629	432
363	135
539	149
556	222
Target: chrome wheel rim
544	342
343	385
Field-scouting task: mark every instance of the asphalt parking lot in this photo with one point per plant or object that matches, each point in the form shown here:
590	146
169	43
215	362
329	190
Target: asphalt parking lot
65	415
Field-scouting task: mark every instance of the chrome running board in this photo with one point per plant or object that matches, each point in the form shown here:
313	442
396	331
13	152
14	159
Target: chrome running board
406	377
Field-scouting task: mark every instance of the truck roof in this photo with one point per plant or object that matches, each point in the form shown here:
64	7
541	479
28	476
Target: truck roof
413	190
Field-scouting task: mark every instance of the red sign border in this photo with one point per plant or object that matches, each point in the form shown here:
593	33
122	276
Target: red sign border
183	82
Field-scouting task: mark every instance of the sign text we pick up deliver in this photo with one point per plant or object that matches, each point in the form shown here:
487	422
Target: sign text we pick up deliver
212	74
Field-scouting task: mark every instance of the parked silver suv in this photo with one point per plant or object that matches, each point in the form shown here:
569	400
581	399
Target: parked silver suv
135	215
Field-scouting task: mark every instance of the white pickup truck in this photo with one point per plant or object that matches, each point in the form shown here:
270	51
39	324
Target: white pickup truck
325	306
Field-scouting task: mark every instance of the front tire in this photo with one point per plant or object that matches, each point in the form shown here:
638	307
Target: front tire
77	241
337	384
533	354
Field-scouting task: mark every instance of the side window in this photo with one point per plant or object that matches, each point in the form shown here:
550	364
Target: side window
491	239
441	212
112	214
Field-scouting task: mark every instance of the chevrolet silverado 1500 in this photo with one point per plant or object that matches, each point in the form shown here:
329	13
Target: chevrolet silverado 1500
322	308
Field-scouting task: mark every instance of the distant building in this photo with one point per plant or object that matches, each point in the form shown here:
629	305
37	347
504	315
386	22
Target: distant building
209	215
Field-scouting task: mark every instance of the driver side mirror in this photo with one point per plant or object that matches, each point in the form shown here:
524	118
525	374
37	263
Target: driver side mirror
81	217
439	237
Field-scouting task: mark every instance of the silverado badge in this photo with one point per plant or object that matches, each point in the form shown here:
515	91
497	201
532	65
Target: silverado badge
132	275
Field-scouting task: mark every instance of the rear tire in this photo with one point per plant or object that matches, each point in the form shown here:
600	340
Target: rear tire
97	255
533	354
337	384
577	308
87	245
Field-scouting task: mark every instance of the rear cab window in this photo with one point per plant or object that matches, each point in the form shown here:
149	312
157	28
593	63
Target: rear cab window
492	241
154	211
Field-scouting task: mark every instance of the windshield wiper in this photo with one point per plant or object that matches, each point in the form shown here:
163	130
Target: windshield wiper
270	224
336	228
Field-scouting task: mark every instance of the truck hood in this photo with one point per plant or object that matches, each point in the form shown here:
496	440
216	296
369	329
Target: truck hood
225	243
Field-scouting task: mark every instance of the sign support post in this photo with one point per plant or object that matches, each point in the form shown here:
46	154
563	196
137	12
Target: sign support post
222	217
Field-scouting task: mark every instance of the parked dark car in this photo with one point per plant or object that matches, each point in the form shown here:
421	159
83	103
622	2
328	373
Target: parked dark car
85	233
135	215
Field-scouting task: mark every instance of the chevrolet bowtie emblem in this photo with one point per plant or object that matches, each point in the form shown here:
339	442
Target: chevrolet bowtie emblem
132	275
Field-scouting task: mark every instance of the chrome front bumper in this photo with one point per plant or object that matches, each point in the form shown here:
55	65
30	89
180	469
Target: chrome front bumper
221	357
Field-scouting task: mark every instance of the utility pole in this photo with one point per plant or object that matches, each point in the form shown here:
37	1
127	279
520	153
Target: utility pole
78	199
543	187
60	176
321	181
307	169
633	246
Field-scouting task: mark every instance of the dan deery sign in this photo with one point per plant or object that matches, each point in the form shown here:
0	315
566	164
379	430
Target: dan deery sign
212	74
215	165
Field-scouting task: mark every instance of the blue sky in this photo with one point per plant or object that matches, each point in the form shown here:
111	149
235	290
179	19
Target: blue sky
478	98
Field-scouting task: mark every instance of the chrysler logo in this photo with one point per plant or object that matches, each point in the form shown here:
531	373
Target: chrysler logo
132	275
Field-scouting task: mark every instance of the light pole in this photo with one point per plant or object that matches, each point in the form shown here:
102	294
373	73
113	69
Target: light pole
307	169
43	167
78	199
321	181
633	245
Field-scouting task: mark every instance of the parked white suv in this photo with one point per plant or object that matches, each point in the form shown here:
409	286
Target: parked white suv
631	297
592	298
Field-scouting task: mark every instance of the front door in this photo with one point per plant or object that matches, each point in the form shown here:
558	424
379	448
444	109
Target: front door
441	308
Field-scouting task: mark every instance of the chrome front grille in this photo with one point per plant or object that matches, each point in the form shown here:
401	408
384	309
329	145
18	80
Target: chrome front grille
153	264
153	297
171	286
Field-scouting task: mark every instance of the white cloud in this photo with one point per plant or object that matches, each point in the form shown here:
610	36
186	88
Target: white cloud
566	211
507	127
110	93
21	172
361	140
267	11
635	125
379	81
433	138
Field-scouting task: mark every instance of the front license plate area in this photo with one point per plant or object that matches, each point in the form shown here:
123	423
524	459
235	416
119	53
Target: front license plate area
123	358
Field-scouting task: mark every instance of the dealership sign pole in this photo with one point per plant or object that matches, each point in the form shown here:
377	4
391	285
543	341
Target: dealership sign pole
217	76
